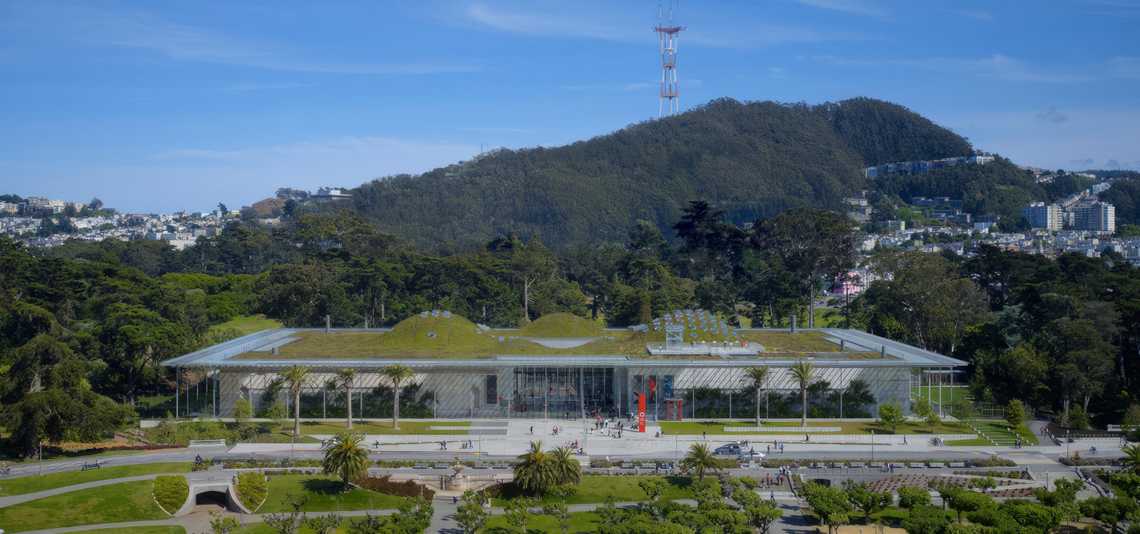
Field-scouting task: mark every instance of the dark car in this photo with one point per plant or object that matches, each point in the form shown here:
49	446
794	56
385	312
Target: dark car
731	449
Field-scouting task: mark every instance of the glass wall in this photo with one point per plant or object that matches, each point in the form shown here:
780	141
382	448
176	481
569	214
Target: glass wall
659	394
563	392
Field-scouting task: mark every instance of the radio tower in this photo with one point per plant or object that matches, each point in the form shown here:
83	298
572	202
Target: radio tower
668	101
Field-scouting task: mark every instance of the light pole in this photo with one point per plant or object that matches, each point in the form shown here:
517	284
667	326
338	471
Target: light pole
872	446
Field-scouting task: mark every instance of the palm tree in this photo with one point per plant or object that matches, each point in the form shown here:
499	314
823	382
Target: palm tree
295	377
345	457
758	376
567	469
396	374
345	378
1131	458
535	473
802	372
699	459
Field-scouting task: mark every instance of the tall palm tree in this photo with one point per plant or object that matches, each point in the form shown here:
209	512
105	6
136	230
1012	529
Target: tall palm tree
699	459
534	473
397	375
1131	458
345	457
802	371
296	377
759	377
567	469
345	379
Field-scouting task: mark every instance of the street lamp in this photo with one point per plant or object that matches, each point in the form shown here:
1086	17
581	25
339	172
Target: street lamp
1067	455
872	446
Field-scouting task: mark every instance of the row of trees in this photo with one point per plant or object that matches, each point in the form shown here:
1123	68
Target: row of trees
297	378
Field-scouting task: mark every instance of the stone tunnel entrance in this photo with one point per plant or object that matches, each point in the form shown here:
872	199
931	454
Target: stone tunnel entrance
212	501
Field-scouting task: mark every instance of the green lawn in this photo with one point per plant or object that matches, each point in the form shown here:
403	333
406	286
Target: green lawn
975	442
33	483
321	494
135	530
598	488
950	395
129	501
448	344
787	342
846	427
383	427
248	324
579	522
1000	431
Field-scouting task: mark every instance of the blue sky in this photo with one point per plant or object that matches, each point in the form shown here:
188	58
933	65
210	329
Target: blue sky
163	105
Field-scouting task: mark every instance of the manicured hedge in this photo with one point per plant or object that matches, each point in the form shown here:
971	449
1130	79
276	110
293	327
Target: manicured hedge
170	492
252	489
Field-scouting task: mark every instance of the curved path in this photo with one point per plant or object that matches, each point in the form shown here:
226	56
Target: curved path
12	500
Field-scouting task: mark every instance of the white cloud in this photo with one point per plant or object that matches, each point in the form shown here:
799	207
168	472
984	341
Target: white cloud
976	14
1090	137
1052	115
252	87
547	24
620	27
996	66
1125	67
853	7
139	30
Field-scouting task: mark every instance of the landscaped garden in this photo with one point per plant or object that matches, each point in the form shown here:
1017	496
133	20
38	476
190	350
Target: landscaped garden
34	483
600	488
321	493
128	501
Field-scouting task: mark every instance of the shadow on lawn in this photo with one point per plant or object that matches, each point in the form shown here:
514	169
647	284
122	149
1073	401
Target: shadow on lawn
324	487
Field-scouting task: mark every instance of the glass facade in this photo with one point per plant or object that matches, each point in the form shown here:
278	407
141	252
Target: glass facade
660	398
563	392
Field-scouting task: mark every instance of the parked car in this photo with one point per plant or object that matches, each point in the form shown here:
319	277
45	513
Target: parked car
730	449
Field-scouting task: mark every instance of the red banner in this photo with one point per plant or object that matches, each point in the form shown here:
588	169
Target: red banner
641	412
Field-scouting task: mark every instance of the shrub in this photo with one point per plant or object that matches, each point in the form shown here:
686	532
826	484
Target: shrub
170	492
910	497
252	489
1015	414
243	409
384	484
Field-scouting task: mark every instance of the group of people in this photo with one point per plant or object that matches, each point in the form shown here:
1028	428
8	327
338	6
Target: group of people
465	444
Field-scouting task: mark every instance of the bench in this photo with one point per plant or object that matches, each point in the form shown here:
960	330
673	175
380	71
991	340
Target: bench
92	465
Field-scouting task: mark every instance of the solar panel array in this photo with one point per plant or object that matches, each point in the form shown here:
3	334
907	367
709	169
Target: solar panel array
698	326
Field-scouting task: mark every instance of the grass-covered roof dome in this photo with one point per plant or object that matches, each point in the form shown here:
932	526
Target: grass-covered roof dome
562	325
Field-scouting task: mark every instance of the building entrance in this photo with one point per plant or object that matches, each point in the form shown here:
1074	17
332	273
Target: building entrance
563	392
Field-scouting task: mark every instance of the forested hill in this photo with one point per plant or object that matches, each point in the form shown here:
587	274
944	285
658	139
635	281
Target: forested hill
750	160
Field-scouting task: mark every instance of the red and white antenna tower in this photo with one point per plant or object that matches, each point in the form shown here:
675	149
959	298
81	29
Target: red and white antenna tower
668	101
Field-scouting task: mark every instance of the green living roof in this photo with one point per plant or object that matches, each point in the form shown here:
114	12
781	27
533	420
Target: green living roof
438	338
447	336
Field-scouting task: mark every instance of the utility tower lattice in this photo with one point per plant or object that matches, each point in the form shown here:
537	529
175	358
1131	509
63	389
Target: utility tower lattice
669	98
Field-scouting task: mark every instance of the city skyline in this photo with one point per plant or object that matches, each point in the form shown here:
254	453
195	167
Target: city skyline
165	108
